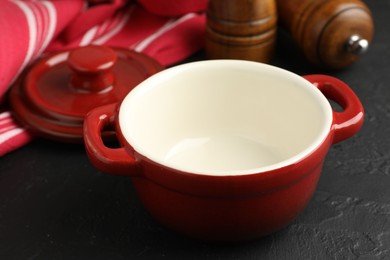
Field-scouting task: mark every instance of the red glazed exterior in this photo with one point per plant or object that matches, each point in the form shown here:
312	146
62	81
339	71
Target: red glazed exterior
224	208
229	208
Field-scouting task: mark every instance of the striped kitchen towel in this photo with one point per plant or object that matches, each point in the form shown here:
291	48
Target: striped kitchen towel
167	30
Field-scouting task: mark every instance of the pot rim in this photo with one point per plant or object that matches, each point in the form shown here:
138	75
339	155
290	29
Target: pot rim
152	81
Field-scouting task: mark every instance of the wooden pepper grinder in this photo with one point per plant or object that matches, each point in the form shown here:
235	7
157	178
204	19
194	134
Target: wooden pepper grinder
331	33
241	29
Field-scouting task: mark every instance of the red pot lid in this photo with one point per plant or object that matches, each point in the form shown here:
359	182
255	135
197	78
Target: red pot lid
55	94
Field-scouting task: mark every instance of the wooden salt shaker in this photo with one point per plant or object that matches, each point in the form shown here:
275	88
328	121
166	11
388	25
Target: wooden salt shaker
331	33
241	29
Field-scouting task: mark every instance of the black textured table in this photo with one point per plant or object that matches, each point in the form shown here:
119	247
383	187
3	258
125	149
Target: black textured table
55	205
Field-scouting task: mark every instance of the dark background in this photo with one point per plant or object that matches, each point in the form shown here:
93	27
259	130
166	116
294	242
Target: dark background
55	205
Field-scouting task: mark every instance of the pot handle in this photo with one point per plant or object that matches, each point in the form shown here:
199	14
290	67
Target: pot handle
349	121
115	161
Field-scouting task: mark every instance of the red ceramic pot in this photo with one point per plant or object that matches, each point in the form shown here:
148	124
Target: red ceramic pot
224	150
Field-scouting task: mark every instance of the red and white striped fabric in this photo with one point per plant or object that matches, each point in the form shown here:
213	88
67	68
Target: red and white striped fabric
169	33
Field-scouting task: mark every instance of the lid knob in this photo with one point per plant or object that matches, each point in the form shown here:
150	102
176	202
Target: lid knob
92	68
357	45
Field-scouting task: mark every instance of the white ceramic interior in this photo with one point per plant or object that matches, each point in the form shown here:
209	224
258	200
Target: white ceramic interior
225	117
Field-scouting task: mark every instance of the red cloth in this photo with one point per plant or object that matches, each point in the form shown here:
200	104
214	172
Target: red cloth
164	30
